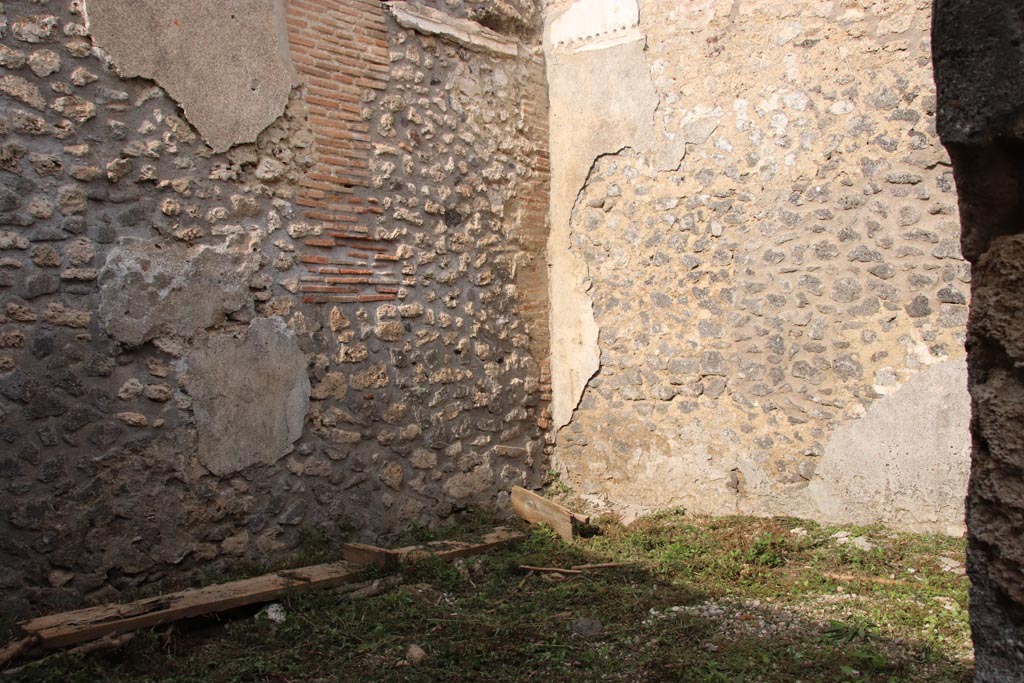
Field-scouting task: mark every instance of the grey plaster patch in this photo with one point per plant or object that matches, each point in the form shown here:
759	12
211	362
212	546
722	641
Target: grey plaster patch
250	396
149	290
227	62
906	461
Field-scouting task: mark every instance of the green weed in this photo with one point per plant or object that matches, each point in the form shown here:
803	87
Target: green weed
697	600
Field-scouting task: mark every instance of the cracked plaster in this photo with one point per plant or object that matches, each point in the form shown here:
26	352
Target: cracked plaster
603	100
226	63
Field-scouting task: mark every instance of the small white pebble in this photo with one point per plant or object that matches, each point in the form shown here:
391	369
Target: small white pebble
415	655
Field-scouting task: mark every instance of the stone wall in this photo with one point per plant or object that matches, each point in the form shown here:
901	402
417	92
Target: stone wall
262	269
448	372
268	266
978	70
767	303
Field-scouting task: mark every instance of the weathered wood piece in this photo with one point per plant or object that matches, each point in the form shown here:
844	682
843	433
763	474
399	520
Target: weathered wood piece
602	565
369	555
870	579
84	625
104	645
374	588
453	550
549	570
15	649
535	509
70	628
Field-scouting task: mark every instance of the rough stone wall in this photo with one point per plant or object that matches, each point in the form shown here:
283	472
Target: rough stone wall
979	70
760	227
174	390
446	367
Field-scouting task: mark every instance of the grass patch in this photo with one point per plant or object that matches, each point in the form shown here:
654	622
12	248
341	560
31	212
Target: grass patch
726	600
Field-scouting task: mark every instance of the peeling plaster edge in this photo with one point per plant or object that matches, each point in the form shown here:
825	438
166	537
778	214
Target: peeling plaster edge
464	32
569	384
562	417
614	33
283	49
563	412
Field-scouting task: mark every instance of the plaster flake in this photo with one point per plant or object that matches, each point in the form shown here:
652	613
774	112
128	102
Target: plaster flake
225	373
591	114
882	465
225	62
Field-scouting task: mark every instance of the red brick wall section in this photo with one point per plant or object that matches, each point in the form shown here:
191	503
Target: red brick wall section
340	50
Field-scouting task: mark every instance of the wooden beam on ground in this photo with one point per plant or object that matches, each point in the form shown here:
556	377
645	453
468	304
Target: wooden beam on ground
870	579
453	550
103	645
369	555
535	509
84	625
70	628
576	569
16	649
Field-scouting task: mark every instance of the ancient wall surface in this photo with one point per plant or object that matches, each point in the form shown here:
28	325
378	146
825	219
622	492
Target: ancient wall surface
761	299
222	323
979	70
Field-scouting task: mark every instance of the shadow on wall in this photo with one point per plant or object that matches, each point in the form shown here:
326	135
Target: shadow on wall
979	71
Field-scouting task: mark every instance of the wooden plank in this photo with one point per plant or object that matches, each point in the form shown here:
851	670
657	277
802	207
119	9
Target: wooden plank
369	555
106	644
448	550
498	538
535	509
434	549
70	628
871	579
92	623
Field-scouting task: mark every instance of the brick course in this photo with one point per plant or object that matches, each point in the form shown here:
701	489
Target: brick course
339	49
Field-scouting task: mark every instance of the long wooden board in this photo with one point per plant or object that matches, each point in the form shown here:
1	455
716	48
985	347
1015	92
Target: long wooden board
70	628
535	509
79	626
453	550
